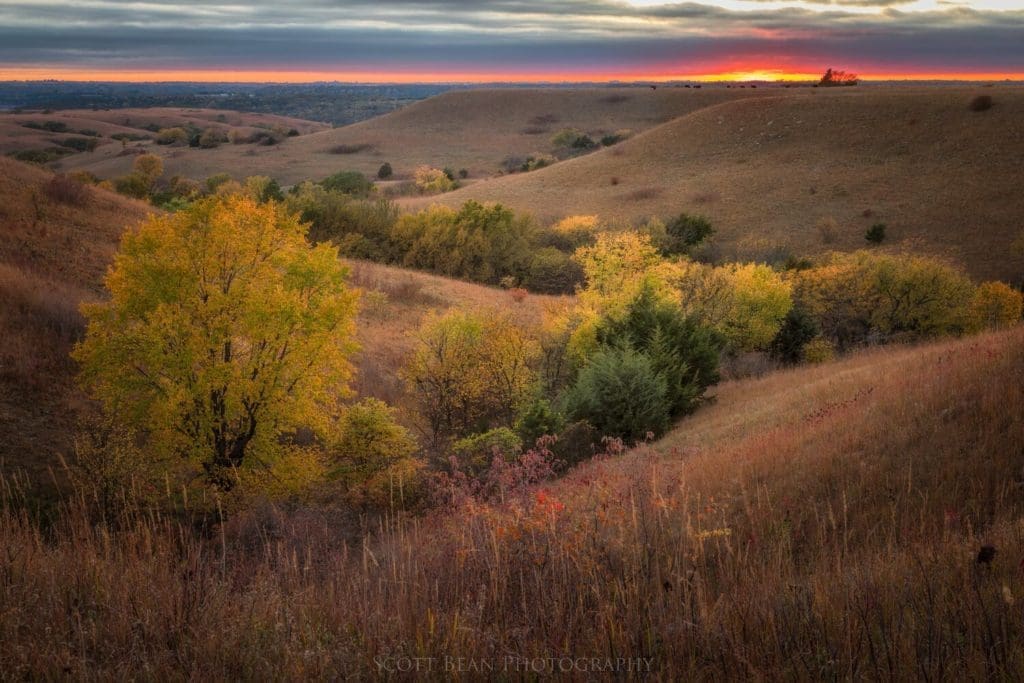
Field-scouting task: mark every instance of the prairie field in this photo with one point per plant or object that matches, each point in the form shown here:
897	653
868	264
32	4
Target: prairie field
475	130
730	386
818	523
809	173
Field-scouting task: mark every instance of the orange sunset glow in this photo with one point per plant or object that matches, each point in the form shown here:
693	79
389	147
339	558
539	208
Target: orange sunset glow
453	76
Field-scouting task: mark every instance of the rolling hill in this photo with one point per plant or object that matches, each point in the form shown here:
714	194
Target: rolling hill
26	131
808	173
859	519
53	255
475	130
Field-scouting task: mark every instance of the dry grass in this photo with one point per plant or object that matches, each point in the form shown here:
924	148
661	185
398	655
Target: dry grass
474	130
394	306
948	185
52	256
14	136
821	523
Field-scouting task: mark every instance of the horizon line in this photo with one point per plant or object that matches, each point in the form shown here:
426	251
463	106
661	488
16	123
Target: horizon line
296	77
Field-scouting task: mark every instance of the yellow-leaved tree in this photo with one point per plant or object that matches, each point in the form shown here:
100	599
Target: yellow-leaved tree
224	330
471	371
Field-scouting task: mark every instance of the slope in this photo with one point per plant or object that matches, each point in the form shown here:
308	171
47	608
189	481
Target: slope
808	174
475	130
820	523
53	256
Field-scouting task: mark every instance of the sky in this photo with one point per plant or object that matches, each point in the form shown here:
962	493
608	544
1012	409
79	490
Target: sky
508	40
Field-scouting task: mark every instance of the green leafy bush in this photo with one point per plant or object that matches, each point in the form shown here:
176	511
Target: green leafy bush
876	233
621	394
475	452
374	457
351	183
682	352
685	232
798	328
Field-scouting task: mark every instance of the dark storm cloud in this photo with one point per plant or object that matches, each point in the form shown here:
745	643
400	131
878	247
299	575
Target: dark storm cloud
512	34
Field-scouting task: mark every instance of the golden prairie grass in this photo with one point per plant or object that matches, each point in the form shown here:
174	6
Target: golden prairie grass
942	177
819	523
475	130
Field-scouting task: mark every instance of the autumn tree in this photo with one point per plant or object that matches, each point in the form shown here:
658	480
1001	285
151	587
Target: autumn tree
224	330
995	305
865	296
374	456
471	372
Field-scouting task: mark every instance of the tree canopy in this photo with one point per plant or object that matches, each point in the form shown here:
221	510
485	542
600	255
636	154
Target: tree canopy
224	331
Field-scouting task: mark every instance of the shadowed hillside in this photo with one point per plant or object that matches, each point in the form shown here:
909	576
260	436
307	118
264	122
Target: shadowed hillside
47	130
805	174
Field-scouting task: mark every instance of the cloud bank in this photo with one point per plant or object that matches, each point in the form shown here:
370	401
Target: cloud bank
575	38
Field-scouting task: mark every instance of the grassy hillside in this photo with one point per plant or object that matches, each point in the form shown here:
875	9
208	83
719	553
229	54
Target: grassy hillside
810	173
818	523
53	256
34	130
475	130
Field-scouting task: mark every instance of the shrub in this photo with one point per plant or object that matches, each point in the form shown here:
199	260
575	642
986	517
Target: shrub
981	103
172	136
351	149
129	137
819	350
79	144
67	190
572	140
538	418
264	189
876	233
352	183
364	225
757	302
798	329
374	457
212	137
132	185
828	230
551	271
576	443
681	352
433	180
621	394
474	453
463	173
572	232
385	171
216	180
866	296
995	305
41	156
478	242
685	232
